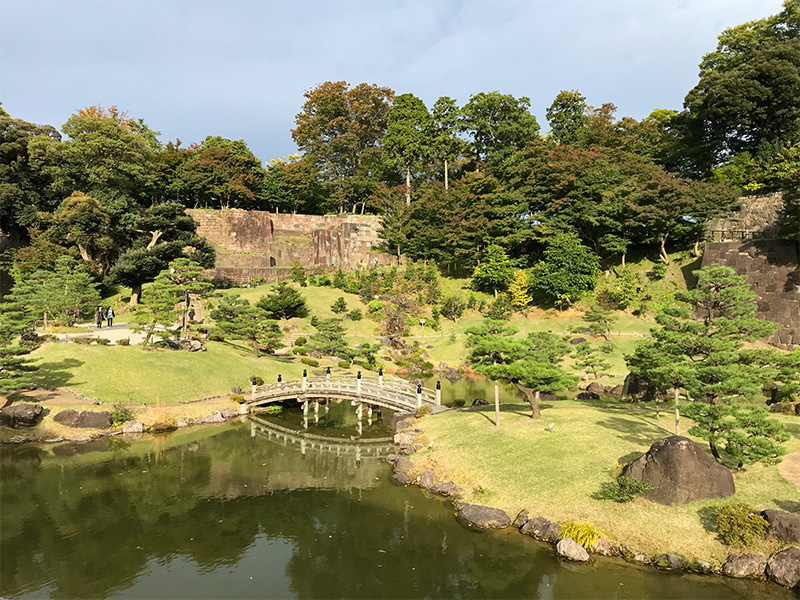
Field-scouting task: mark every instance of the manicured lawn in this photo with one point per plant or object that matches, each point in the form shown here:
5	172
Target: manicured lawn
520	465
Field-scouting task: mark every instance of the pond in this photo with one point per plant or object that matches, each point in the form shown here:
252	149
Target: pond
258	509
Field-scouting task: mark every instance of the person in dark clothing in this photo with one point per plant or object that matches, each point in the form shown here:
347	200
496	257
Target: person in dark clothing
110	316
191	313
98	317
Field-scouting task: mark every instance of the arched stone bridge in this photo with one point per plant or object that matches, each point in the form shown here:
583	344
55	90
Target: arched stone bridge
392	393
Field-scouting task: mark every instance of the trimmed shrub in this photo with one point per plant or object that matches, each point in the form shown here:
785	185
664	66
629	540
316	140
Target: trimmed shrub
85	341
124	342
459	402
311	362
301	341
47	338
739	525
343	364
659	271
215	337
583	533
622	489
103	341
259	380
299	351
238	398
356	314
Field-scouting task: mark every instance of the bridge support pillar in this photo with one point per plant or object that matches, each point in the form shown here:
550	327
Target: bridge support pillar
419	396
316	411
369	414
359	414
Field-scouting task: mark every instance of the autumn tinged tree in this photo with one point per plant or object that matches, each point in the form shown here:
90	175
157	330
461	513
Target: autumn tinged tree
447	146
408	139
499	124
567	117
700	346
237	319
519	290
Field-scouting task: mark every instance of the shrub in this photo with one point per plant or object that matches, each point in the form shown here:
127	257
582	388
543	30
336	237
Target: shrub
738	524
459	402
215	337
583	533
314	321
424	410
46	338
500	309
343	364
452	307
340	306
120	413
299	351
238	398
82	340
301	341
323	280
658	271
124	342
622	489
375	308
311	362
259	380
103	341
356	314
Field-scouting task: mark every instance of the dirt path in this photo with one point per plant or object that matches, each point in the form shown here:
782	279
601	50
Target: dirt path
790	468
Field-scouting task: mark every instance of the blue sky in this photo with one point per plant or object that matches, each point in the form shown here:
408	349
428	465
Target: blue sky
239	69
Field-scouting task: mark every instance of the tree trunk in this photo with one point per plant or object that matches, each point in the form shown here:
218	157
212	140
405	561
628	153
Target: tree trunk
696	249
677	414
446	186
185	314
715	451
255	348
408	185
84	253
663	251
44	318
154	239
496	404
532	397
623	259
136	294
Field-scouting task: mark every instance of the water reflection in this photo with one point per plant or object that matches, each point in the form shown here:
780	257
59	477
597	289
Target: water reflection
218	512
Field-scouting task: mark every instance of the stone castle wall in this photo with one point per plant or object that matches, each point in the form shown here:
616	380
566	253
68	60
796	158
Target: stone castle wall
262	244
772	268
758	217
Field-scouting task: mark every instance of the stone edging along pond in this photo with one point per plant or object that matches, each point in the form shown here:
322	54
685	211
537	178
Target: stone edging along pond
782	567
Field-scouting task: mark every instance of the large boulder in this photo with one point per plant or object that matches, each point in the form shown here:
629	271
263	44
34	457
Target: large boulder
427	480
133	426
211	419
587	395
403	465
483	517
784	567
745	566
542	529
20	415
783	525
448	488
669	562
85	419
162	427
229	413
571	550
401	416
680	472
596	387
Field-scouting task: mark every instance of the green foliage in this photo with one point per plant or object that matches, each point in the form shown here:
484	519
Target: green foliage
329	339
739	525
356	314
283	302
259	380
625	294
216	337
298	274
587	356
82	341
598	322
459	402
496	271
583	533
498	124
311	362
301	341
300	351
622	489
119	414
452	307
237	319
659	271
238	398
124	342
340	306
500	308
103	341
408	135
567	271
567	117
343	364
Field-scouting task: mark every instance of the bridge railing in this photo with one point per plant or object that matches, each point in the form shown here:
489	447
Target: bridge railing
392	391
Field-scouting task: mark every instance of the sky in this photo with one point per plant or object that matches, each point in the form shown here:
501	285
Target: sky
239	69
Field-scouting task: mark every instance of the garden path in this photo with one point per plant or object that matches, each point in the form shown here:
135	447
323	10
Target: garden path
790	468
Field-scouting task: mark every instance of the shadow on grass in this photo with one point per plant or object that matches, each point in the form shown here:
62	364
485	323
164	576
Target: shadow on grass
686	271
634	430
629	458
793	429
56	374
708	518
788	505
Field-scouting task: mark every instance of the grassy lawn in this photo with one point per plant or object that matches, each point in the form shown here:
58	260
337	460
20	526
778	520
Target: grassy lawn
130	374
520	465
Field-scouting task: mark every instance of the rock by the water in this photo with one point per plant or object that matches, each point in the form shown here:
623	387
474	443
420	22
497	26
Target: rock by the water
406	437
244	409
405	424
483	517
445	489
586	395
452	375
401	416
521	518
784	567
84	419
403	465
783	525
746	566
605	547
670	562
479	402
132	427
401	478
542	529
412	449
181	423
571	550
78	438
639	558
20	415
596	387
427	480
161	427
680	472
392	458
229	413
210	419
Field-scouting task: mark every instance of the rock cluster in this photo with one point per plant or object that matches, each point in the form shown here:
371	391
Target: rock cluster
84	419
20	415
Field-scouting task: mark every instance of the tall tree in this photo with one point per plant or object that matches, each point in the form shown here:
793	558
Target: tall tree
82	221
496	271
499	124
15	320
447	146
408	139
567	117
567	270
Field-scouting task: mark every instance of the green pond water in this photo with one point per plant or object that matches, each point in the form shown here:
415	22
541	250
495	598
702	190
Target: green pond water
257	509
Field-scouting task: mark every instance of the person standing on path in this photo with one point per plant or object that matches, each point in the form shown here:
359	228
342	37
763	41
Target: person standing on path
98	317
191	312
110	316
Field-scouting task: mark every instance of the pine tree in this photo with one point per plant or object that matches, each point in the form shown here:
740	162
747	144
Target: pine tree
283	302
236	318
15	320
340	306
599	322
588	358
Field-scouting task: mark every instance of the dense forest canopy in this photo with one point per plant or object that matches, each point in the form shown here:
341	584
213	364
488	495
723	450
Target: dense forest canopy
447	180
